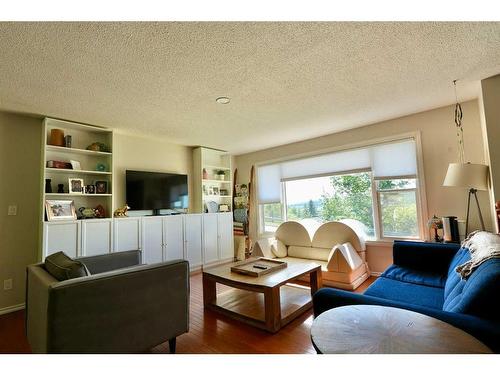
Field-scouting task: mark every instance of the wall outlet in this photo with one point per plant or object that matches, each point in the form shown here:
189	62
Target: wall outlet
12	211
7	284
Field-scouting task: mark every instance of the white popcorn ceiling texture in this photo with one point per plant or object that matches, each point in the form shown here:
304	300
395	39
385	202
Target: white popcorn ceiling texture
287	81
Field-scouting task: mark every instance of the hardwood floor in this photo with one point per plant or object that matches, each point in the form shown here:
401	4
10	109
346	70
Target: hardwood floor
209	332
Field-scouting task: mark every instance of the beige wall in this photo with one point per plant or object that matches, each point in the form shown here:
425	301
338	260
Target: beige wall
20	152
490	118
439	148
148	154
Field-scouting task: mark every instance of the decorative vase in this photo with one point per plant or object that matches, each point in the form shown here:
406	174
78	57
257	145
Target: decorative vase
60	188
205	174
48	186
57	137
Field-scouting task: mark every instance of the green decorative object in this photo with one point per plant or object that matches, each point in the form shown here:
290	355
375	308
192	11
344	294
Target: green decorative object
98	146
100	167
87	212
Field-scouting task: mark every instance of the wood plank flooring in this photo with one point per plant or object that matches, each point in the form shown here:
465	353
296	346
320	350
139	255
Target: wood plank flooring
209	332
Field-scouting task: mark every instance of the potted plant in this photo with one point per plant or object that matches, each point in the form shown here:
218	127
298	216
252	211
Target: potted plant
221	175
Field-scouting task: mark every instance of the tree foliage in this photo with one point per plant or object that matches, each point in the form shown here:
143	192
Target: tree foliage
351	199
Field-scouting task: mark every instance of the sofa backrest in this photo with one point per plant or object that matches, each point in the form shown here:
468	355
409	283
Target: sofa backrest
477	295
315	253
293	233
316	242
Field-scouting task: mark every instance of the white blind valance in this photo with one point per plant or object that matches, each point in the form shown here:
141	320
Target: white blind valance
394	159
325	164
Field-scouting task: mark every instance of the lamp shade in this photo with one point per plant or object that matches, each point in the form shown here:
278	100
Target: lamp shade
467	175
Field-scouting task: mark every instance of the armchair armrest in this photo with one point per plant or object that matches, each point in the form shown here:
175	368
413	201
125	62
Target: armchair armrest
486	331
128	310
424	256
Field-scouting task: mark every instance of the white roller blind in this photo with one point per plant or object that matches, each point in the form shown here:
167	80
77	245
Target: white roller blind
324	164
394	159
269	183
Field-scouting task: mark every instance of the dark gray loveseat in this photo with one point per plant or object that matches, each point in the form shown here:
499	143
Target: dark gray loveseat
123	307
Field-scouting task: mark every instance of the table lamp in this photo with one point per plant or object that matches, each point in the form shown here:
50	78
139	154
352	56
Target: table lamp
472	176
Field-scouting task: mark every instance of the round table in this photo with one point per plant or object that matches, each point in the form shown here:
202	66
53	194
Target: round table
381	329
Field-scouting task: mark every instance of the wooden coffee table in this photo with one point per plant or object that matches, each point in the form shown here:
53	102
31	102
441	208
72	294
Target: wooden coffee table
369	329
267	302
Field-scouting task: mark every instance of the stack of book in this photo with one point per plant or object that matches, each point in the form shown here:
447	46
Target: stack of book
238	229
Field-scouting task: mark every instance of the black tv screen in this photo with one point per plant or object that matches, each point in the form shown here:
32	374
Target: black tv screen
156	191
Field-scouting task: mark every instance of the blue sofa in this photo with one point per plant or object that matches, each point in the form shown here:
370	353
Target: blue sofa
423	279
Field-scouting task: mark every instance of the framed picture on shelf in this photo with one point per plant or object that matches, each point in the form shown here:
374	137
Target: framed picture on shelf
75	185
224	192
223	208
90	189
60	210
210	190
101	187
216	190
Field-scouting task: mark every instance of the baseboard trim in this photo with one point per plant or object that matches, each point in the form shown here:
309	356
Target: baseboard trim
9	309
376	274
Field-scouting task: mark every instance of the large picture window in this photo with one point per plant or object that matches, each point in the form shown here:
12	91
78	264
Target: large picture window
374	186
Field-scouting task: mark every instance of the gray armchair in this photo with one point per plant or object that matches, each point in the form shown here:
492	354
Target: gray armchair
123	307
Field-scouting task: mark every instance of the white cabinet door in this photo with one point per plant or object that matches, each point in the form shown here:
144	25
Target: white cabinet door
173	238
127	234
226	242
63	236
210	235
152	240
192	239
96	237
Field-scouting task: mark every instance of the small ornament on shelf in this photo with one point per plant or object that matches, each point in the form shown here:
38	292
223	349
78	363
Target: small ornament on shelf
48	185
100	212
121	212
435	223
60	188
100	167
205	174
98	146
221	175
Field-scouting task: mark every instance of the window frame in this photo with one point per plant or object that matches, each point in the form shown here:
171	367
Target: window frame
380	230
419	186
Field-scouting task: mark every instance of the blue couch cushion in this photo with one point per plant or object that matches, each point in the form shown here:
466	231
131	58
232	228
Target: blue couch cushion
478	295
409	275
410	293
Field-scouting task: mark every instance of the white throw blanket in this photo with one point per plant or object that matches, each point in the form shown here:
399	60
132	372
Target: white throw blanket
482	246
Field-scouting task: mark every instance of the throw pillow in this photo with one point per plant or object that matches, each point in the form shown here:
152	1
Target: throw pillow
62	267
278	248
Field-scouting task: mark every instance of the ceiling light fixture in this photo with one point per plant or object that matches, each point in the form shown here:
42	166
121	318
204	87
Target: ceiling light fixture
223	100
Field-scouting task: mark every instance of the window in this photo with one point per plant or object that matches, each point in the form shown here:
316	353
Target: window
326	198
272	216
398	207
376	186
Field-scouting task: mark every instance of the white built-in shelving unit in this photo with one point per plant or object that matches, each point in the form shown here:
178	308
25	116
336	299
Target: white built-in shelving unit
81	137
212	179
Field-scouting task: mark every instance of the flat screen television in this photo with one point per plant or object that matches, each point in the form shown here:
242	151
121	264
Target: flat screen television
156	191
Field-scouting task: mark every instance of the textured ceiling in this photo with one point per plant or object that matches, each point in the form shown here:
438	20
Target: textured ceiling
286	81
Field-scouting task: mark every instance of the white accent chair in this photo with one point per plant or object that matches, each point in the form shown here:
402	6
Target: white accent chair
342	267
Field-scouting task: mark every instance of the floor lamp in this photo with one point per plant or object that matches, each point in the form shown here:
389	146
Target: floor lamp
472	176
